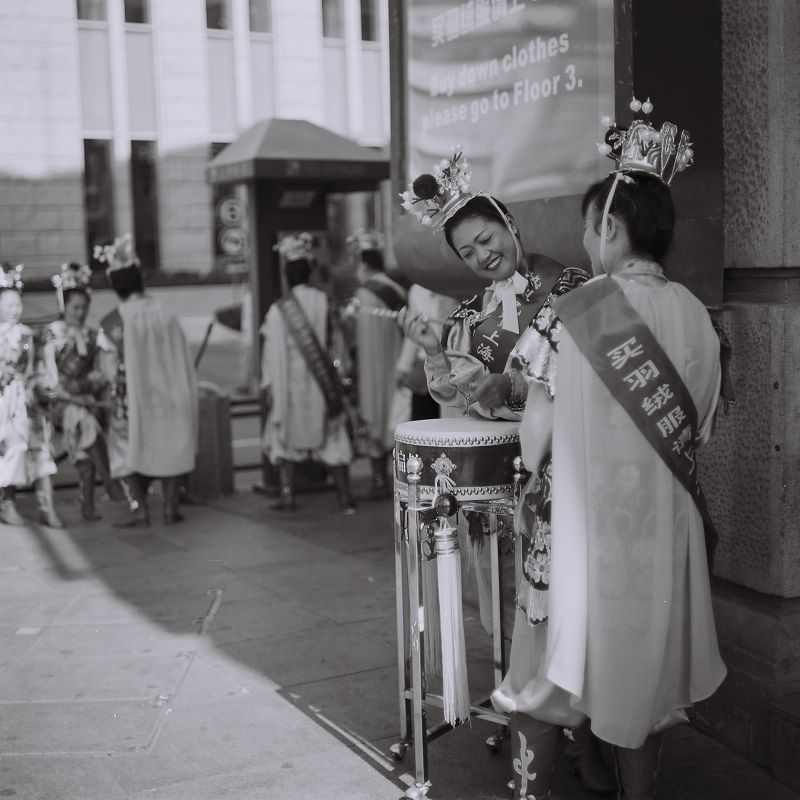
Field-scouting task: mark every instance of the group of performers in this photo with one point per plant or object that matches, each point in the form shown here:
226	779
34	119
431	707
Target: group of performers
615	379
119	402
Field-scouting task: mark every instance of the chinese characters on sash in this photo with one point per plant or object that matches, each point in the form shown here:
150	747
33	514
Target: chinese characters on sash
655	396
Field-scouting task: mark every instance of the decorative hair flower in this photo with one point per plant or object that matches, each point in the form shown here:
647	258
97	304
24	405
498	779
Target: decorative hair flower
434	198
11	277
118	255
365	240
641	149
72	276
295	246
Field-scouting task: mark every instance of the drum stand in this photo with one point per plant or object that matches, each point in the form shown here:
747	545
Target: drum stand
409	550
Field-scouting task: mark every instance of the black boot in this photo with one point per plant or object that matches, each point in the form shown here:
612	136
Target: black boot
86	475
286	477
533	750
169	487
637	769
341	479
585	760
380	487
135	488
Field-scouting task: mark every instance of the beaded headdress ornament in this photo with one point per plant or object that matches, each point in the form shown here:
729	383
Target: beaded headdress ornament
118	255
365	240
641	149
11	278
71	276
295	246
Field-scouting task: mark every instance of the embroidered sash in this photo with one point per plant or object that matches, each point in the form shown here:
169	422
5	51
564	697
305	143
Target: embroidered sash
391	295
493	345
320	366
631	363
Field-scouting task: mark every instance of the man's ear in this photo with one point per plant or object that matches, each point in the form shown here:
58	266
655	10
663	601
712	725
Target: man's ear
612	227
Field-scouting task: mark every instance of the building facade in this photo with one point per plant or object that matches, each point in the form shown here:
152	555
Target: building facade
111	109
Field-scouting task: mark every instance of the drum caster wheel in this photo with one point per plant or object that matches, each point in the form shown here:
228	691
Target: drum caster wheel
399	750
495	742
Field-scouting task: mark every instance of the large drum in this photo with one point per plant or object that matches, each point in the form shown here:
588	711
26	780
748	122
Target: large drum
476	455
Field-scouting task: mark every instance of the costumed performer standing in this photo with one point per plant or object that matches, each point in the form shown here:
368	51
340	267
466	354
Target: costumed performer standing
70	360
303	394
153	426
473	365
25	456
630	640
378	343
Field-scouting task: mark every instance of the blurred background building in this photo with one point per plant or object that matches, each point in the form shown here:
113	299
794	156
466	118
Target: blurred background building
111	109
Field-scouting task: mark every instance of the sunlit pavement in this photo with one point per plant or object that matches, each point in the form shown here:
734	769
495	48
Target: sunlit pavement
240	654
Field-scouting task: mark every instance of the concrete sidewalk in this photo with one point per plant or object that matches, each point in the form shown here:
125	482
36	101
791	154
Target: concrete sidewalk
241	654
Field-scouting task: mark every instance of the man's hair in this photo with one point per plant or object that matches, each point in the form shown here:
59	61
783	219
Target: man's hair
645	208
126	281
373	259
297	272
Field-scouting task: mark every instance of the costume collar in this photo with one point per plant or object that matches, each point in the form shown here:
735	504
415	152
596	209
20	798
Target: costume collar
504	293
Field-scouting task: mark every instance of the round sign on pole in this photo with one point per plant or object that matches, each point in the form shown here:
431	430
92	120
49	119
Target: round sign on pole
232	211
233	241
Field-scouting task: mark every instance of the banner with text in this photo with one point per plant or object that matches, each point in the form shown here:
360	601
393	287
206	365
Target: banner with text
519	84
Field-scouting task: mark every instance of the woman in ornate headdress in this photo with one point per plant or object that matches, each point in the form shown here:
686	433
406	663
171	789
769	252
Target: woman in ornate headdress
630	640
24	431
475	367
70	358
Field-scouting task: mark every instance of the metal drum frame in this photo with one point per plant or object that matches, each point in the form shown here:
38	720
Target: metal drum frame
414	699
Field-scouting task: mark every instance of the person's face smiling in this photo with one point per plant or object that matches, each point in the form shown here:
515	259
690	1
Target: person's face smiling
486	246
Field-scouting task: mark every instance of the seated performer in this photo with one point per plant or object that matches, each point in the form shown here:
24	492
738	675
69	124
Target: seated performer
473	367
306	414
153	426
378	343
70	360
630	640
24	428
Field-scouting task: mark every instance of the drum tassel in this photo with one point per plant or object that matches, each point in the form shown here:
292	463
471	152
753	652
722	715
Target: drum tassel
433	636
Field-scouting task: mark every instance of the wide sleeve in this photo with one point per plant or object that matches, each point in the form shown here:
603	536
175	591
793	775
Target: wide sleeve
48	366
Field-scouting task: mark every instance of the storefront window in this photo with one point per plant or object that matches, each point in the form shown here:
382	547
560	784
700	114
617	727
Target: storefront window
218	15
333	19
137	11
92	10
98	195
260	16
145	202
369	20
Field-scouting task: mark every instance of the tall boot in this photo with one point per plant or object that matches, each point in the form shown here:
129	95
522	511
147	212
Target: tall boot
380	487
44	499
341	479
286	478
637	769
170	489
86	475
135	488
533	747
585	760
8	507
99	455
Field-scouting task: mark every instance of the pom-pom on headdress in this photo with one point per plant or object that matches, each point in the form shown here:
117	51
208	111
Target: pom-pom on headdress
11	277
71	276
118	255
365	240
295	246
434	198
642	150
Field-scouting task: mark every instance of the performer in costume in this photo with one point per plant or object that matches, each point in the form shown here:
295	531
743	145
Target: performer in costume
473	366
24	429
378	343
153	426
630	639
306	416
70	361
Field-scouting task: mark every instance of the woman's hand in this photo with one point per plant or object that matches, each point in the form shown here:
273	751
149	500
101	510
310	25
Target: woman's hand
420	331
493	390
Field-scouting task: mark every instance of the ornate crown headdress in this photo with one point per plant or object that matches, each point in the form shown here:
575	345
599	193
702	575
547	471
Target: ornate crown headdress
71	276
11	277
118	255
434	198
641	149
365	240
295	246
